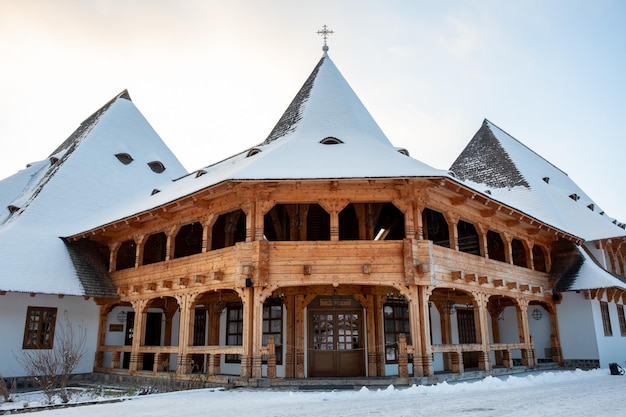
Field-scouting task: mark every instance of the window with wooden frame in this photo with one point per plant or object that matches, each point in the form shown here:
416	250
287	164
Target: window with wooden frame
272	326
39	328
396	316
606	319
622	319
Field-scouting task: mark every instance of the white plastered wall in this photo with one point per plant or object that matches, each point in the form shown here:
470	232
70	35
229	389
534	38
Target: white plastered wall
13	309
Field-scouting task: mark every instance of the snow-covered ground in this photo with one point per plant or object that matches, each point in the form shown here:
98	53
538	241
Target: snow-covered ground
559	393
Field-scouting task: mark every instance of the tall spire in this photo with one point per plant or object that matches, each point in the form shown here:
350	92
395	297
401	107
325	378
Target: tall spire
325	32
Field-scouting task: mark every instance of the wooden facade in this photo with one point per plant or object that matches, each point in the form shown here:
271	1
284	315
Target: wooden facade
296	279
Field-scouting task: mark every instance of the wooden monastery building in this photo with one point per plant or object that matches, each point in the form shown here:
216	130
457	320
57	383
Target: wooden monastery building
322	252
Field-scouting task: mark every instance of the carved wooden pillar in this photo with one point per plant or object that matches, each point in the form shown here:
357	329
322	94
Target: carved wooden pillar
113	248
482	331
139	332
185	331
247	299
482	230
494	312
271	358
301	303
373	307
508	249
105	309
140	243
403	369
257	332
171	239
453	222
423	362
555	339
290	336
528	353
416	325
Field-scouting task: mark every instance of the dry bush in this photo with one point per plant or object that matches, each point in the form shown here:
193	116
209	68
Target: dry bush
4	392
52	368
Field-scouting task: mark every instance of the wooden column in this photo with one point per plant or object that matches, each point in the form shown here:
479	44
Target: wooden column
247	300
524	332
482	331
185	332
289	344
301	303
373	306
416	326
423	363
105	309
257	333
555	339
139	332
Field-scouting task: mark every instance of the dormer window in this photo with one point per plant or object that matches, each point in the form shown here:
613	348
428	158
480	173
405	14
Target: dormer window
53	160
155	191
574	197
124	158
546	180
253	152
590	206
200	173
12	209
330	141
156	166
403	151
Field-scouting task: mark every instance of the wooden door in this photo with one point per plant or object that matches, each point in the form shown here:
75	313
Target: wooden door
467	334
336	347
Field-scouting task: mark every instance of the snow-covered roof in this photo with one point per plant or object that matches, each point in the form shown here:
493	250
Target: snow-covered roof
325	110
45	201
575	269
496	163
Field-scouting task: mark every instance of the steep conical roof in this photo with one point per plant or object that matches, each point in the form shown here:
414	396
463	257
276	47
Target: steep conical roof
494	162
325	133
113	156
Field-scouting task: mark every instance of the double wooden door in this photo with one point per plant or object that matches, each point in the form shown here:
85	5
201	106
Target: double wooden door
336	343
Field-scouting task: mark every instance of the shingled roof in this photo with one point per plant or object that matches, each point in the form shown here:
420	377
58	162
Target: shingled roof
496	163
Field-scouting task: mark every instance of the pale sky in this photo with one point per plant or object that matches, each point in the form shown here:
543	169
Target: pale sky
213	77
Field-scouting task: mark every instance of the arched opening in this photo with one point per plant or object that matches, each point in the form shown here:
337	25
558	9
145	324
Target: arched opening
371	221
188	240
295	222
155	248
436	228
495	246
126	254
539	259
162	318
468	238
229	228
518	251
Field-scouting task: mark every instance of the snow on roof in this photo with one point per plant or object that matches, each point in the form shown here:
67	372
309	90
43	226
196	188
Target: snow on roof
80	178
496	163
326	107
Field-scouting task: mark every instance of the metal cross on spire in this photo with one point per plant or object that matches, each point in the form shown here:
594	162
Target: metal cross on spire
325	32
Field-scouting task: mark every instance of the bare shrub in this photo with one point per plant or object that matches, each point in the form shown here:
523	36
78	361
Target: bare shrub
4	391
52	368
